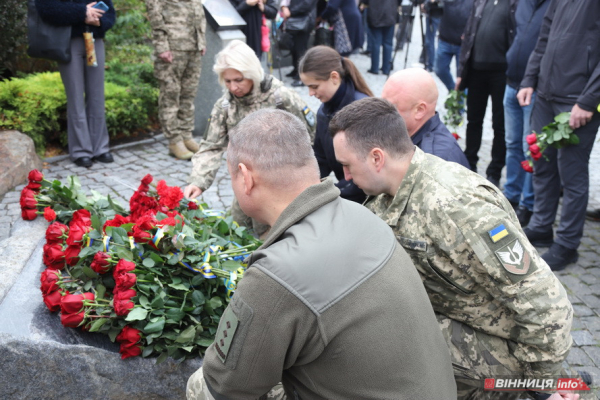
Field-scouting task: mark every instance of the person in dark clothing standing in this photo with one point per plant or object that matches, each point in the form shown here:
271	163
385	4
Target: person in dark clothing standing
252	11
482	69
564	71
452	25
299	15
434	15
518	188
84	85
336	82
352	19
414	93
382	17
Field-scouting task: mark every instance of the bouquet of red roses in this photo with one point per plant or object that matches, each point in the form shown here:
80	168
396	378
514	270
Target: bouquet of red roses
155	280
557	134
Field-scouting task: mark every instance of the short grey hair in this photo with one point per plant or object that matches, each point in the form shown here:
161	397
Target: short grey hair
239	56
274	142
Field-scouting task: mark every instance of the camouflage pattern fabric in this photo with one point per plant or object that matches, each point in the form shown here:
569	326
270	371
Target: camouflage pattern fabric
228	111
479	268
177	25
178	83
196	389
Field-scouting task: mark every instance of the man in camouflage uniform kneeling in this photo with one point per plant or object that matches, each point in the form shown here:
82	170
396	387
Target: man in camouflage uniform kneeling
502	311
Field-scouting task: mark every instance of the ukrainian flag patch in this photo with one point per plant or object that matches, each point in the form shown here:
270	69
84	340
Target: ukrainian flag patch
498	233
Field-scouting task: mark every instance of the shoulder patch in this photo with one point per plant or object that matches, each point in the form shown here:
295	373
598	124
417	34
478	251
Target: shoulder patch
498	233
309	116
514	258
227	327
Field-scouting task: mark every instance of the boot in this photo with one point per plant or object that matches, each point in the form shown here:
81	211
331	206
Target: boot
179	150
191	145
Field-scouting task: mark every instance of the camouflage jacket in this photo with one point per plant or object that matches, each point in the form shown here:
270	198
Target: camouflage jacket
177	24
476	263
228	111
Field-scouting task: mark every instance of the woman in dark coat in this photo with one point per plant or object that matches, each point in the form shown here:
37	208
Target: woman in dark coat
84	85
351	15
336	82
252	11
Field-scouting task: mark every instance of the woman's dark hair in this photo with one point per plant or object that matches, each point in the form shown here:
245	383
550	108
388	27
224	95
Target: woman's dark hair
320	61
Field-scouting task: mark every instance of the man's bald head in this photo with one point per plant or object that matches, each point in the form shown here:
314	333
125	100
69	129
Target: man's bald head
414	93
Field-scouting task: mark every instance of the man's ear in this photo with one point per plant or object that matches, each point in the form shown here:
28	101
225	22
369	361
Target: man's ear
377	158
421	110
248	177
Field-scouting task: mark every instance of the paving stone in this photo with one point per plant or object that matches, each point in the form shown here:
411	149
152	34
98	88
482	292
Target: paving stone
14	211
583	338
591	323
590	278
594	353
579	357
591	301
582	311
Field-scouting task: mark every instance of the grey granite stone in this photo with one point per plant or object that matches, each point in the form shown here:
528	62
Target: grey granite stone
579	357
583	338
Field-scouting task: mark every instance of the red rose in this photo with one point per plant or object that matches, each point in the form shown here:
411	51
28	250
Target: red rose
122	267
128	350
536	156
534	148
100	263
122	302
76	232
531	139
117	221
129	335
49	214
72	255
35	186
455	135
54	256
48	281
35	176
52	300
83	217
125	281
29	214
141	236
72	320
73	303
55	232
527	166
27	199
147	179
192	205
146	222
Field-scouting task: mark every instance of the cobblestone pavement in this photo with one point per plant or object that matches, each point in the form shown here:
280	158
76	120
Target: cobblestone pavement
133	161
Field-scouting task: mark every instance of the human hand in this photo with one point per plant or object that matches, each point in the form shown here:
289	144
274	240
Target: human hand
167	57
261	5
524	96
203	51
579	117
285	12
564	395
251	3
93	15
192	191
458	80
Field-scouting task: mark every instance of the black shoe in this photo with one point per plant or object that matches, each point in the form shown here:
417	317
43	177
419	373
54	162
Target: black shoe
365	53
524	215
558	257
292	74
586	377
104	158
495	181
373	72
297	83
593	215
541	239
514	204
84	162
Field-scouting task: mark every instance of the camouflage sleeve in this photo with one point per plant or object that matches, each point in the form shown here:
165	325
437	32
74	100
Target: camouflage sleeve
293	103
538	324
202	36
207	160
159	32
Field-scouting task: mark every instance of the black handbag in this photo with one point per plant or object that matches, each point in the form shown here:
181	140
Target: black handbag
285	40
324	37
51	42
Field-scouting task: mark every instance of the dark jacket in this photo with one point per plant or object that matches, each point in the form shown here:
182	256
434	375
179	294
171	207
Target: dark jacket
382	13
466	49
323	146
529	16
454	19
253	17
352	18
434	138
565	65
72	13
304	9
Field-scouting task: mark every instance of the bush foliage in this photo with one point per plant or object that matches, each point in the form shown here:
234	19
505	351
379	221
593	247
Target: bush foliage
35	104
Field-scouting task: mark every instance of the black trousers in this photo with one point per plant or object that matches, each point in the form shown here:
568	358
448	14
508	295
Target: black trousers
481	85
567	168
300	47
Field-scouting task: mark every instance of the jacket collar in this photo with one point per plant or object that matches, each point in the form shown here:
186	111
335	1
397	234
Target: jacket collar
429	126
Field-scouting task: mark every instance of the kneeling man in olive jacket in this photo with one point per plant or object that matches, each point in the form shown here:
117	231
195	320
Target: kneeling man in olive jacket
330	306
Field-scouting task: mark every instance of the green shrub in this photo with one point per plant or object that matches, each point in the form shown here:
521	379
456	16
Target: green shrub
13	37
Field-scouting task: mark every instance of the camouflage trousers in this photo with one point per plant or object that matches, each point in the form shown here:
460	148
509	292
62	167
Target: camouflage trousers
178	83
476	355
196	389
243	220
